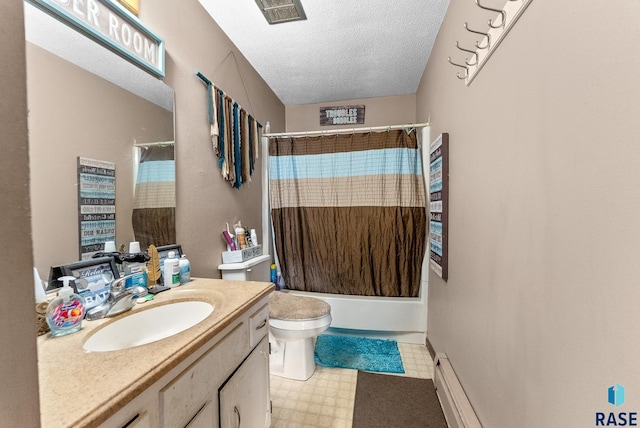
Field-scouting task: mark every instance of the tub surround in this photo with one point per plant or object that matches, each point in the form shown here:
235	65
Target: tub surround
79	388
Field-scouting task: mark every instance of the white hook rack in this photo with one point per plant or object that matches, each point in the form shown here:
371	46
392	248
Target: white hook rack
508	16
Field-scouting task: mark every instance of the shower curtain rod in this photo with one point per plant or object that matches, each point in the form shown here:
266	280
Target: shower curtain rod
160	143
345	131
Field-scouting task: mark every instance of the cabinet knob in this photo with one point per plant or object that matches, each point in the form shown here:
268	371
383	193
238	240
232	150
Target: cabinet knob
262	324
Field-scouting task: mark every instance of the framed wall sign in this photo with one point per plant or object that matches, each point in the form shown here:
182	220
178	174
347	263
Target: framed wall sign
439	205
93	279
96	205
341	115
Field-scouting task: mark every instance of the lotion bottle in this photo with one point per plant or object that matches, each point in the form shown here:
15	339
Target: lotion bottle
171	271
65	312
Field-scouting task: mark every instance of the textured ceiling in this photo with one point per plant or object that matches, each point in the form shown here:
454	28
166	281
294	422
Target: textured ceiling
346	49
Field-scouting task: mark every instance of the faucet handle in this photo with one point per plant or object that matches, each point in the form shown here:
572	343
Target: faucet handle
118	285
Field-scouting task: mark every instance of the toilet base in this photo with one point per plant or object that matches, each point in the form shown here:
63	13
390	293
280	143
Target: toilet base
292	359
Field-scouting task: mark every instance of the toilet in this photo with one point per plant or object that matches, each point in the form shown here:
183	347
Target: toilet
294	322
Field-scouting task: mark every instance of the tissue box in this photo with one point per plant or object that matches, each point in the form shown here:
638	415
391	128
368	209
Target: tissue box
240	256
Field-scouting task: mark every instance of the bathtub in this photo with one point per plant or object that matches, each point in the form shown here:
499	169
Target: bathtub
396	318
400	319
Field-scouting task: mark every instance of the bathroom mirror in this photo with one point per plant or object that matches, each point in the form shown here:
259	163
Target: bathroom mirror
85	101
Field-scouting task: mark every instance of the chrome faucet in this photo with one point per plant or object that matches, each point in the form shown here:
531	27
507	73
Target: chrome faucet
120	299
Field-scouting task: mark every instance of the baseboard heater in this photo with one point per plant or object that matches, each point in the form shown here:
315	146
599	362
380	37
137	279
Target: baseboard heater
455	404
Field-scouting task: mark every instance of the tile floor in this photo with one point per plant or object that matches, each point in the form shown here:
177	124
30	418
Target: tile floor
326	399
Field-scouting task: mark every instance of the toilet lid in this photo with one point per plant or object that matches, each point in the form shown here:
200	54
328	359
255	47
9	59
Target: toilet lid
285	306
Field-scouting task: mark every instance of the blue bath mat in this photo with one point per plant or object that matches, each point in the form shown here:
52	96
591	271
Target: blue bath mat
348	352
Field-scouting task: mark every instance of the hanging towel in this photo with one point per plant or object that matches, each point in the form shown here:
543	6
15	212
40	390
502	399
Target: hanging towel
237	156
234	136
228	139
252	140
244	146
213	119
220	151
256	140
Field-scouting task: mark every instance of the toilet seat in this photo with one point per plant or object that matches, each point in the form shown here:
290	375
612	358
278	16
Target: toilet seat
288	307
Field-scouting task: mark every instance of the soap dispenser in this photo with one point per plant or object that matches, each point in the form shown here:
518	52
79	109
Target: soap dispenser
65	312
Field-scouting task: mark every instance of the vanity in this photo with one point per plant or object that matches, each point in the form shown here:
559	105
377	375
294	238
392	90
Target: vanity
213	374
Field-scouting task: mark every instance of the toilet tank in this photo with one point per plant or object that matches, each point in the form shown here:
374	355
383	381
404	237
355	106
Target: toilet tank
255	269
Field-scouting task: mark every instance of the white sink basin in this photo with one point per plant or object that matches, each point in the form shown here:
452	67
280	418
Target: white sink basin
148	326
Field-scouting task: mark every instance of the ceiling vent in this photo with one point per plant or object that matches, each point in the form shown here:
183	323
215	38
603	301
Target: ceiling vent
278	11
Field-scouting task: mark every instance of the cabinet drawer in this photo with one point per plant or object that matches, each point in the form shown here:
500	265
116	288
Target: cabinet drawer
142	420
258	325
181	399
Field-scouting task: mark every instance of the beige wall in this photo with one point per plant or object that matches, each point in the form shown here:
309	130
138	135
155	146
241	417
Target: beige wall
204	200
75	113
541	308
18	371
381	111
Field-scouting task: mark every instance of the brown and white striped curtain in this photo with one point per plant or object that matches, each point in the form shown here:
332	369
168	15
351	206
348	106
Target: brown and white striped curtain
349	212
154	201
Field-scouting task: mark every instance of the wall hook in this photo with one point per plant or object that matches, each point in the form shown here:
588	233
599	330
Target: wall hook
471	52
501	12
466	70
466	26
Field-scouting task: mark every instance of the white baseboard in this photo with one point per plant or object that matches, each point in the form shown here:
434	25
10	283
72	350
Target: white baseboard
456	406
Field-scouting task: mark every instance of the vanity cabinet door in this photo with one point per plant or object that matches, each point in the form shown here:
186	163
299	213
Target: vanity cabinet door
204	417
183	398
244	398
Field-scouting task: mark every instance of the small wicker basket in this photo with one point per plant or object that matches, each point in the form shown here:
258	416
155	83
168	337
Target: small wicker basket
41	319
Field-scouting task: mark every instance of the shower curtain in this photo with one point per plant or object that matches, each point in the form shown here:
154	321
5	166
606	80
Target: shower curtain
349	212
154	200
